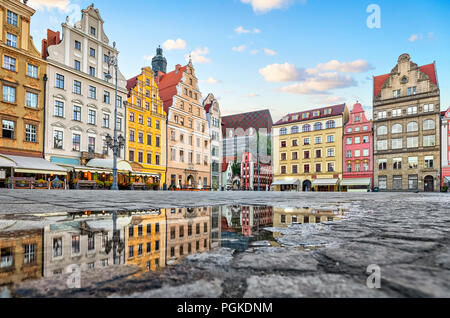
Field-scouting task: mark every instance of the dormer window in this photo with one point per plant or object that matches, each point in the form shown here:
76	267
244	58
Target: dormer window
285	119
305	116
316	113
328	111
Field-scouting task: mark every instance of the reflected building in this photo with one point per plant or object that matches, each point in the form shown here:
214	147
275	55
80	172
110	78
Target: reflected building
145	241
188	232
216	215
81	243
20	256
284	217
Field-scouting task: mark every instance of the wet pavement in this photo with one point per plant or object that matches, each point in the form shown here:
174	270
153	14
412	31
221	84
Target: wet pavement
193	245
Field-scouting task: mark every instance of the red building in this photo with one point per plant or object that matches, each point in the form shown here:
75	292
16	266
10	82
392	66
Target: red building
250	179
358	152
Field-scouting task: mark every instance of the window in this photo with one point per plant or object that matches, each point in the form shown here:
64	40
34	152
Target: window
106	120
318	126
397	163
158	125
429	162
382	145
158	141
397	143
283	144
318	140
30	133
331	124
91	242
412	127
382	115
413	162
92	92
59	109
57	247
76	142
429	124
91	144
397	129
413	182
294	169
11	40
396	93
349	130
77	87
294	155
412	110
306	128
75	244
396	113
306	141
357	140
106	98
149	139
382	164
130	251
92	52
429	141
12	18
382	182
93	31
349	167
365	128
119	101
283	169
32	71
149	122
330	167
59	81
140	137
119	124
141	120
330	138
349	141
397	183
92	71
318	167
349	154
149	247
357	153
382	131
428	108
318	153
330	152
413	142
132	135
295	143
9	94
149	158
365	139
412	90
132	117
294	130
92	117
77	45
306	168
366	166
77	65
283	131
32	100
366	153
140	230
306	154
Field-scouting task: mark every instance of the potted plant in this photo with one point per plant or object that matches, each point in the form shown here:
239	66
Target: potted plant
108	184
445	189
100	184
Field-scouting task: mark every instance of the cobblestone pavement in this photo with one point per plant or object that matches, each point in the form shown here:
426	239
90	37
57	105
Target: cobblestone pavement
407	235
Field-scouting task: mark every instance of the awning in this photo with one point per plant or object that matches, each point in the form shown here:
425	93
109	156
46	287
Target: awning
356	182
71	168
34	165
6	163
287	182
447	179
325	182
107	164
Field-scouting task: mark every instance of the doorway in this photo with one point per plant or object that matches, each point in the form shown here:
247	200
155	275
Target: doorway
429	184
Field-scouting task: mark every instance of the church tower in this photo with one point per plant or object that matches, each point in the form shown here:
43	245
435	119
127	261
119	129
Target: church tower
159	62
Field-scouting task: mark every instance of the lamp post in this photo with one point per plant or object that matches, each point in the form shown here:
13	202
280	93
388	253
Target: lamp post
115	143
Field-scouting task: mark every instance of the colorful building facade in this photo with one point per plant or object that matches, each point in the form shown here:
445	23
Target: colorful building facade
406	107
213	115
255	176
308	150
358	152
146	142
445	136
189	140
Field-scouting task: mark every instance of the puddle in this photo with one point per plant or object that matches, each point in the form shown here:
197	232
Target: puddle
49	246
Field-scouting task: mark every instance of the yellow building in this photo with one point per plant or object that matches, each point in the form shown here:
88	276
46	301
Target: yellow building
146	142
145	241
285	217
308	153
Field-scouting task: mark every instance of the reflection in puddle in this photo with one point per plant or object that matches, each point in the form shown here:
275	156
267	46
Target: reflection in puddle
33	247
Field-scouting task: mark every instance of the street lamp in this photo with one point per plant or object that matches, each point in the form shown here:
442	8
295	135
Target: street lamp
115	143
116	244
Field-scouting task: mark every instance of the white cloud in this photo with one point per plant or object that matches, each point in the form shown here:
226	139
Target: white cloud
419	36
281	73
242	30
254	52
263	6
239	48
198	56
49	4
358	66
212	80
320	84
177	44
270	52
413	38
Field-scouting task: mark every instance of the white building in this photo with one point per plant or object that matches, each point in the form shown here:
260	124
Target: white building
80	98
212	109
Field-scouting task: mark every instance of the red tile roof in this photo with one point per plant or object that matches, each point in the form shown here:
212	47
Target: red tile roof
378	81
53	38
256	120
335	111
168	85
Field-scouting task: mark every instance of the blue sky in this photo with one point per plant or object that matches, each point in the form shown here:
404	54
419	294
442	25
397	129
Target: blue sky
285	55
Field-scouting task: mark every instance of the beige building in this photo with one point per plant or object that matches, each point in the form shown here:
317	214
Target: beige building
189	140
80	99
407	128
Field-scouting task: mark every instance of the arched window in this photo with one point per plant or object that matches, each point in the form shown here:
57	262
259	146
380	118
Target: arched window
306	128
412	126
331	124
397	129
382	130
318	126
283	131
429	124
294	130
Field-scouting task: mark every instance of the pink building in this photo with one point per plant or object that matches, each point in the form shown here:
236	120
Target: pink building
249	174
358	152
445	176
